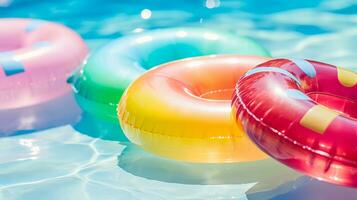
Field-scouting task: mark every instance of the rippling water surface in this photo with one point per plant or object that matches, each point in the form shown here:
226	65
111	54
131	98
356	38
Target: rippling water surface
74	156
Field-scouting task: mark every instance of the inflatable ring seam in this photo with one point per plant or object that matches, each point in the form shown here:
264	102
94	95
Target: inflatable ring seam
172	136
349	99
340	159
35	83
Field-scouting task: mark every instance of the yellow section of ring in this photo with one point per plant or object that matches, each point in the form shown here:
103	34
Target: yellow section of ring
346	78
318	118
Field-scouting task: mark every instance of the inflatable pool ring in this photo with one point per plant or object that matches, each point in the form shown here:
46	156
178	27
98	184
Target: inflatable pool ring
181	110
108	72
304	114
36	58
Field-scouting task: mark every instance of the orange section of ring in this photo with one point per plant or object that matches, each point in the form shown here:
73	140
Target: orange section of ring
181	110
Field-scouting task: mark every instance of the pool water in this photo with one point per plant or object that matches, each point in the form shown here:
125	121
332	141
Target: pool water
55	151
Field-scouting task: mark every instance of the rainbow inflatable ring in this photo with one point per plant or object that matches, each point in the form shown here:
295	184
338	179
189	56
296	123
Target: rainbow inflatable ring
179	112
102	81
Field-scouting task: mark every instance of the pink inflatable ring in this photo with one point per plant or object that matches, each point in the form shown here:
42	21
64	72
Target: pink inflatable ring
36	57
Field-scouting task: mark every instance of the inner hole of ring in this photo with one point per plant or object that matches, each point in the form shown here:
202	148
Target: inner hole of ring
12	40
219	94
183	49
180	49
347	107
9	46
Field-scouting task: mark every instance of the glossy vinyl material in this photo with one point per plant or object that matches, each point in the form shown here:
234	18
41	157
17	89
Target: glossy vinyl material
109	71
36	58
303	113
181	110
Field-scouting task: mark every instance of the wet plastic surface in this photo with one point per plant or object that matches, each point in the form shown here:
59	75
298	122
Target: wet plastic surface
109	71
303	113
36	58
181	110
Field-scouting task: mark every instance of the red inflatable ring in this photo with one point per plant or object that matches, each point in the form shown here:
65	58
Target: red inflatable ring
304	114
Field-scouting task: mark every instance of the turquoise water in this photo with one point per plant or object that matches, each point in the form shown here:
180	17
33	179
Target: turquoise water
70	155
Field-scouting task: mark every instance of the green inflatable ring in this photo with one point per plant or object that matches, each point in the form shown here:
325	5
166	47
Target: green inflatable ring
100	84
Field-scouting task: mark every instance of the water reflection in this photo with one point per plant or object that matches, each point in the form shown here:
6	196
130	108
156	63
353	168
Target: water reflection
5	3
315	189
212	3
145	14
270	179
268	176
53	113
97	127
